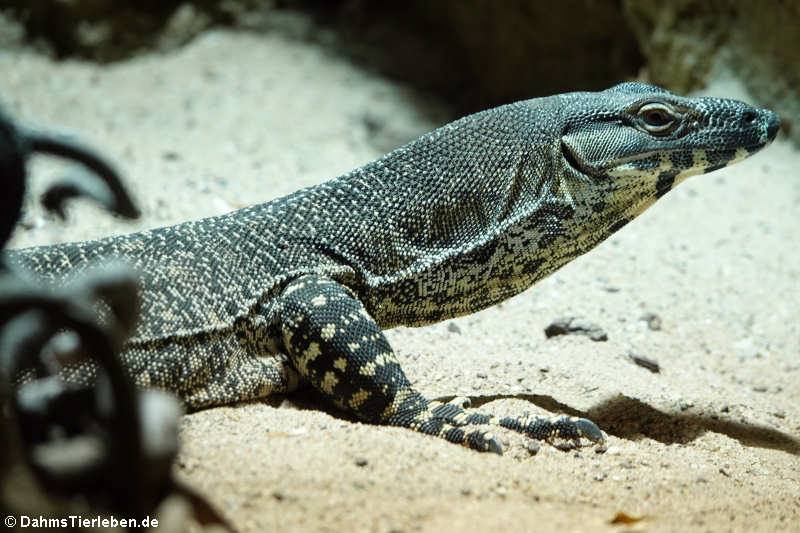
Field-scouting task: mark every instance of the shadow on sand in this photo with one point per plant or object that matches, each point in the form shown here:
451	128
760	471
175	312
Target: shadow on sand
629	418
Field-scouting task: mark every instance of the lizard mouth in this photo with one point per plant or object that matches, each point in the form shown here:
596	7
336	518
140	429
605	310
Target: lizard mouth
587	159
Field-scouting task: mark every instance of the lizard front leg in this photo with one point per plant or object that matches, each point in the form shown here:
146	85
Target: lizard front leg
335	344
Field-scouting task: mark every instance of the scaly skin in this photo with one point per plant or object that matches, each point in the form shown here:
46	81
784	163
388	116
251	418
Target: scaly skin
251	303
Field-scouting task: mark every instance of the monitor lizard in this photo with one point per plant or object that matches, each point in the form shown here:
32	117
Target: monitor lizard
298	290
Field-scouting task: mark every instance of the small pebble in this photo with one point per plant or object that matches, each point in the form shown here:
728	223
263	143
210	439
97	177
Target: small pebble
645	362
653	321
360	461
452	327
573	325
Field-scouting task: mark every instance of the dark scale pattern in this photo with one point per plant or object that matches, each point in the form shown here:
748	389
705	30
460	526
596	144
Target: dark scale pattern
251	303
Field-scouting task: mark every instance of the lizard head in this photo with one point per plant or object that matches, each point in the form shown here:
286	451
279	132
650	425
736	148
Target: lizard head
634	142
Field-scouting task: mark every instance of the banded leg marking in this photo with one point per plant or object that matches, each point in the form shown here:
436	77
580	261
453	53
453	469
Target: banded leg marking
335	344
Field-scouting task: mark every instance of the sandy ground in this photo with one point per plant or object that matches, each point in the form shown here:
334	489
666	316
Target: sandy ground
710	443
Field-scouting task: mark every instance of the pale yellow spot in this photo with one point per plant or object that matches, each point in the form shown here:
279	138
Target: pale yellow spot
423	416
359	398
368	369
741	154
308	355
384	358
392	409
699	159
319	301
353	346
340	364
328	331
329	382
312	351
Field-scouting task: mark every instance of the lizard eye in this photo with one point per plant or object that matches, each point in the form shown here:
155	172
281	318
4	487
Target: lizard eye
656	118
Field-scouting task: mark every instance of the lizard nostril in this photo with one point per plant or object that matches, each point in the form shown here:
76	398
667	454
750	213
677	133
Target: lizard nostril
749	116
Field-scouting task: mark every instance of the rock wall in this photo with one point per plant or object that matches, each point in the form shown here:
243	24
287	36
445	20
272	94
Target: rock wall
479	53
472	53
687	42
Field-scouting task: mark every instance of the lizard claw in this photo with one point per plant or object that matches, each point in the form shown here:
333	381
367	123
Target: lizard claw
589	429
481	441
461	401
493	445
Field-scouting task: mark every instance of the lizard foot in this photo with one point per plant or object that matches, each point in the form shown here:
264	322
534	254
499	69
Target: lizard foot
473	429
448	421
565	427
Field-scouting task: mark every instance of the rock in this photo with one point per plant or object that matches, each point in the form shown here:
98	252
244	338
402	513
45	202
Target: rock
653	321
452	327
575	326
645	362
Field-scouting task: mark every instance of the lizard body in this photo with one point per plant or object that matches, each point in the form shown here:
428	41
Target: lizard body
299	289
